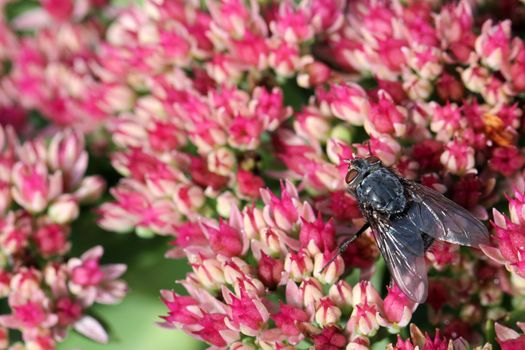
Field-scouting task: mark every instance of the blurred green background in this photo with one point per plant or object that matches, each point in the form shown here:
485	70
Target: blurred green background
132	322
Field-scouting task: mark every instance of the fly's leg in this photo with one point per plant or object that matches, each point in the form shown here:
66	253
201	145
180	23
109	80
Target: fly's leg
345	244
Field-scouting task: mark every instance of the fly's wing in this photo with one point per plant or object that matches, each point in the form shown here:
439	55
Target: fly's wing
403	250
443	219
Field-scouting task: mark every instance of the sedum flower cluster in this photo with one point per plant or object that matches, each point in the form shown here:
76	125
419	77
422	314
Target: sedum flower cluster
229	123
43	183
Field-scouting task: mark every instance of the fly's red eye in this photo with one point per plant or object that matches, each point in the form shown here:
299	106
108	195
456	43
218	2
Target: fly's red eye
350	175
373	160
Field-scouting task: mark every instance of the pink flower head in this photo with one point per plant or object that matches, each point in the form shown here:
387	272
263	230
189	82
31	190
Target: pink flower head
34	186
30	315
506	160
52	240
292	24
346	101
493	45
458	158
284	58
454	26
446	119
289	318
385	117
317	236
268	105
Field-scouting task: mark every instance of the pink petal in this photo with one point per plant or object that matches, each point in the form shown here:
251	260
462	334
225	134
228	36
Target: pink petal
113	271
91	328
504	333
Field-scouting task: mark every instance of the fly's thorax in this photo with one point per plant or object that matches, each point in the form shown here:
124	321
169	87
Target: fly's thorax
382	191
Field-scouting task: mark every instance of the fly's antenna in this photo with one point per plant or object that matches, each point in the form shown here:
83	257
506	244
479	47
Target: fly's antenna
339	252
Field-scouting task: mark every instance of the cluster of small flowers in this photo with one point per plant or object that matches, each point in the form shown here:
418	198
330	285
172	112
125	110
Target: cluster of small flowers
42	184
198	100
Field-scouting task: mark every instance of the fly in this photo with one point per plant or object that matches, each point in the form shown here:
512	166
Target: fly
406	218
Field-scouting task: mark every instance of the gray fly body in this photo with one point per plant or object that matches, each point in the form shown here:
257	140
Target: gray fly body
406	217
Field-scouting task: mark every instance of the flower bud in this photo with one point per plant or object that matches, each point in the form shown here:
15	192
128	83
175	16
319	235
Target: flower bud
326	312
221	161
311	291
270	270
90	189
332	272
51	240
225	201
341	295
210	274
298	265
458	158
64	210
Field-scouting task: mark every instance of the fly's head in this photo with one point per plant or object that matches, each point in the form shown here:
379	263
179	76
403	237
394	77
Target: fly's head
358	169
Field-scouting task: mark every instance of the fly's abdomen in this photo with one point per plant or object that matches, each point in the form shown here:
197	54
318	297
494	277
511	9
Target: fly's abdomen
382	191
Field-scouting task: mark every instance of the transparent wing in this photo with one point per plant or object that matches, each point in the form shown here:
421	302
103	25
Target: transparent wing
403	250
443	219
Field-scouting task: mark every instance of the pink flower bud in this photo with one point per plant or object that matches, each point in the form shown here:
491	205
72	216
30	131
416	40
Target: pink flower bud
364	293
188	199
31	315
311	124
66	153
397	309
326	312
270	271
253	221
493	45
292	24
517	208
209	272
298	265
281	212
201	174
332	272
90	189
508	338
63	210
317	236
88	273
311	292
249	184
272	242
458	158
446	119
52	240
313	74
234	269
341	294
34	187
221	161
363	320
362	343
225	239
475	78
